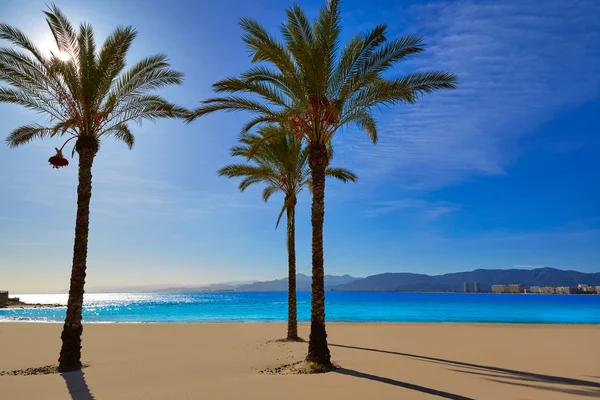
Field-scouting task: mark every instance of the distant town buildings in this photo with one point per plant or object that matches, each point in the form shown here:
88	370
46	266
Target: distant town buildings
516	288
541	289
499	288
580	289
512	288
476	287
583	288
566	290
466	287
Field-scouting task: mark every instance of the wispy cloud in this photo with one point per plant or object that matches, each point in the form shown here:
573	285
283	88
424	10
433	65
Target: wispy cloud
519	64
30	244
428	211
563	234
135	198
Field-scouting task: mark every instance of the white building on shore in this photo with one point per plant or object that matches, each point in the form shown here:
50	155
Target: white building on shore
499	288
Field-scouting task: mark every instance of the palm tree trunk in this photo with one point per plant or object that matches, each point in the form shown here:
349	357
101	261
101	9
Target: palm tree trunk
70	353
292	331
318	352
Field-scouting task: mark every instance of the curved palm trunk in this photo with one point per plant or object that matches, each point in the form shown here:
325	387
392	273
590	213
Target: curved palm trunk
292	330
318	352
70	353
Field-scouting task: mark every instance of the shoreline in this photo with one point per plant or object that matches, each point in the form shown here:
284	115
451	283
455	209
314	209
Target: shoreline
20	305
407	323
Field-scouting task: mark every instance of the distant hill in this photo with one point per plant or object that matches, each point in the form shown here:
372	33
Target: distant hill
387	282
303	284
214	287
407	282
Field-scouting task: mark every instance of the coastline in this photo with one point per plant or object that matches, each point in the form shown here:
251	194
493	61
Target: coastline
378	360
20	305
438	323
341	307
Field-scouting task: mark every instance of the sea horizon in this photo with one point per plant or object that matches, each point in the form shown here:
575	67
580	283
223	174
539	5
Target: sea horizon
452	307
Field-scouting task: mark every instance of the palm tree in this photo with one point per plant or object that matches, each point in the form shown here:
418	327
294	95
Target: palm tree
281	163
86	96
316	88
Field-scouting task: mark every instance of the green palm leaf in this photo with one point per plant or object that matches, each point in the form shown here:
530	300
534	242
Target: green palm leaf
90	94
278	160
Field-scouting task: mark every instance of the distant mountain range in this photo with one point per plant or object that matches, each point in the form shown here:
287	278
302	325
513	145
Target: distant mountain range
303	284
215	287
407	282
388	282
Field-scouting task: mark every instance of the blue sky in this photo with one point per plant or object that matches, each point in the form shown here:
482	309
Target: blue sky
500	173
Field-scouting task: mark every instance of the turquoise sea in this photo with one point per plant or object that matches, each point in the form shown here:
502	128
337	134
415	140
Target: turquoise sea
341	306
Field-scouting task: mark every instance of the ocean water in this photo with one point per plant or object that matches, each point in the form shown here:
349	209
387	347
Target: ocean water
340	306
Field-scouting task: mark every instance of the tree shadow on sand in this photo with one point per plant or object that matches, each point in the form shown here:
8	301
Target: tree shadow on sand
77	386
504	375
405	385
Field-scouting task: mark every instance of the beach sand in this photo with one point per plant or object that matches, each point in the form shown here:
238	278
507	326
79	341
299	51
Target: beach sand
379	361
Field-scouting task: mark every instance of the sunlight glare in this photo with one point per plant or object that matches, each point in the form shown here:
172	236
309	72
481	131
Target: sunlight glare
62	56
48	47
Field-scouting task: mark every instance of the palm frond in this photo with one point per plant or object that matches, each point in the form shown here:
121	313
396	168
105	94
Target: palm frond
300	43
36	102
151	73
22	70
277	159
342	174
382	58
263	119
88	94
237	170
269	191
27	133
363	119
355	54
233	103
428	82
264	47
249	181
147	107
284	83
122	133
19	39
63	32
283	210
112	57
327	33
269	92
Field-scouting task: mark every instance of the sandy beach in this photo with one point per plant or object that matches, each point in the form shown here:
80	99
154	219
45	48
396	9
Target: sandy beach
378	361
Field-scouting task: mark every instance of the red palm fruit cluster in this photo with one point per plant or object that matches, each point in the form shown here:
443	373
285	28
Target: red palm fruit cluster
57	160
325	109
98	117
283	178
298	125
320	106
